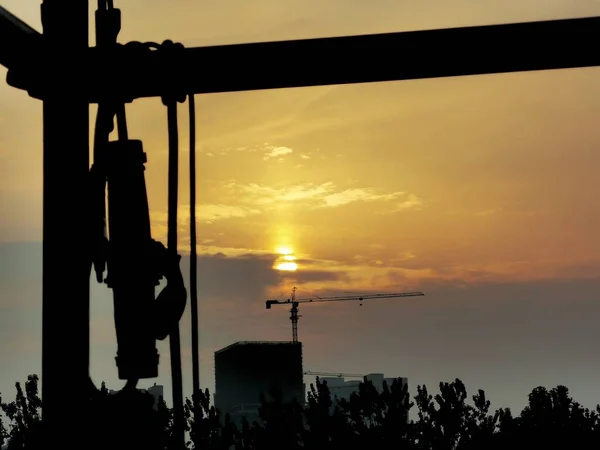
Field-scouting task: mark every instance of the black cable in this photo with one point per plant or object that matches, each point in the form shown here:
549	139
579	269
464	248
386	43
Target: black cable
174	337
101	136
102	129
122	123
193	256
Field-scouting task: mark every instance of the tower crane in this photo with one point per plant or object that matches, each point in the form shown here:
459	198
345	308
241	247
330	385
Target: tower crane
296	302
333	374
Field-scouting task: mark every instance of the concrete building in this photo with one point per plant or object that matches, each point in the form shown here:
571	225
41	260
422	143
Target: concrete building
244	370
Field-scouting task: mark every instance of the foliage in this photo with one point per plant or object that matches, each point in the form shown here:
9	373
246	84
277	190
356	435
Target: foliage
370	418
204	424
24	416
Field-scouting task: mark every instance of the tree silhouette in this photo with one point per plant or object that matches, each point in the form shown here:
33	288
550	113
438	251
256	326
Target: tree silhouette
553	418
24	414
282	424
368	419
375	418
481	427
3	431
319	420
443	418
164	418
204	424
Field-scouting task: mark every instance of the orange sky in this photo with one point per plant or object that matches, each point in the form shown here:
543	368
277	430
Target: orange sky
390	186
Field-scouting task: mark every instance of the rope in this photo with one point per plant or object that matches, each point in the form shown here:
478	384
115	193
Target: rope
173	93
193	256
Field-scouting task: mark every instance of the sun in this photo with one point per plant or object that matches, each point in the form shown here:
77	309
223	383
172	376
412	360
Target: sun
286	261
287	266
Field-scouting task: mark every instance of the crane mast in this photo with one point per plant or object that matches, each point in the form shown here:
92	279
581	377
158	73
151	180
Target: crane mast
294	302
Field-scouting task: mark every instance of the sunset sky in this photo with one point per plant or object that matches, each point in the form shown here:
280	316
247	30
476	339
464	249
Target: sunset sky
479	191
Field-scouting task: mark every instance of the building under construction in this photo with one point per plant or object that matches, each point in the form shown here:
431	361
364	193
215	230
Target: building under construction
245	370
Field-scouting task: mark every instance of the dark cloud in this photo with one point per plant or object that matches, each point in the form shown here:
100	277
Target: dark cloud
582	269
503	337
224	277
309	276
232	294
20	274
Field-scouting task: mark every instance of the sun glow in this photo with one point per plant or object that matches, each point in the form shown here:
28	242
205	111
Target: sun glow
285	261
287	266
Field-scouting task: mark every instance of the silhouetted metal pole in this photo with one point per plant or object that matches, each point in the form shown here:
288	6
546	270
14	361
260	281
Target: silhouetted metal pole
193	255
174	335
65	345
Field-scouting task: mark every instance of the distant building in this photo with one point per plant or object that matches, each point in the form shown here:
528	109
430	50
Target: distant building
342	389
244	370
156	390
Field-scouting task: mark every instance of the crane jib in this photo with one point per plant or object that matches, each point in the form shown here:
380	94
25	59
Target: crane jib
296	302
343	298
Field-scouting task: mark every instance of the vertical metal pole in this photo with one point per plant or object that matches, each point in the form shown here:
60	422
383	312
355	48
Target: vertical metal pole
174	336
193	255
65	345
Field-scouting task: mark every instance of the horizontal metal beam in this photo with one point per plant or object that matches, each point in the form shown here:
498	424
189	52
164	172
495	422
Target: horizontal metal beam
16	39
548	45
440	53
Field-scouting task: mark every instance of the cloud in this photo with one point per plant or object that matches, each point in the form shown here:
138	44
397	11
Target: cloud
233	278
355	195
489	212
324	195
268	150
508	212
230	251
207	213
412	202
433	333
310	276
211	212
276	152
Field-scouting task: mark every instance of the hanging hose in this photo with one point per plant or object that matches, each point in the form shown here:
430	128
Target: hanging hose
170	53
171	302
174	337
193	257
